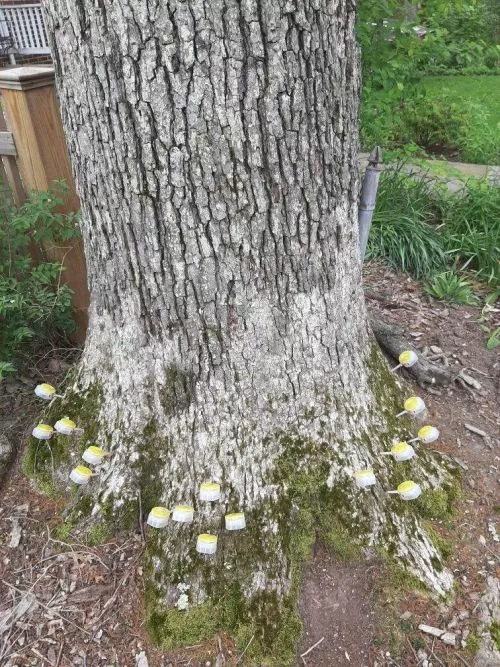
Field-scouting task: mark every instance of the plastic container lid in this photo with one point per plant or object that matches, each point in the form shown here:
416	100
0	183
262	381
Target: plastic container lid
65	426
428	434
408	358
365	478
94	455
210	491
183	513
80	475
206	544
409	490
45	391
414	405
42	432
235	521
402	451
158	517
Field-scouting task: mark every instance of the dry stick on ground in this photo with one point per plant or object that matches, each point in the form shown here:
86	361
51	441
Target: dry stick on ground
464	662
310	649
245	650
432	654
393	340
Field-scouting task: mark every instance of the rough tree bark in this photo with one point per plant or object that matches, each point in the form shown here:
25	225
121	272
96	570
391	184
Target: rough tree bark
214	147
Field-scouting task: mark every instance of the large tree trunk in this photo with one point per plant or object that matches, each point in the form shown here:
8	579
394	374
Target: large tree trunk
214	148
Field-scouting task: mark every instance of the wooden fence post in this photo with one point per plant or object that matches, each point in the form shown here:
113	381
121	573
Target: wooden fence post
32	114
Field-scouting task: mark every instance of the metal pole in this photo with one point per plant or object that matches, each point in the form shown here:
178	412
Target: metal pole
368	197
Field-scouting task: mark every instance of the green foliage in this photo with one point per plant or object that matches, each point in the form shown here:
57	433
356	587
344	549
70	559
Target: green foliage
437	122
448	286
483	90
33	302
396	109
471	229
421	228
445	122
401	231
493	339
459	36
473	642
494	631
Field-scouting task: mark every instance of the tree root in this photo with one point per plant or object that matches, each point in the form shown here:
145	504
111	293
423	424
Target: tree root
393	340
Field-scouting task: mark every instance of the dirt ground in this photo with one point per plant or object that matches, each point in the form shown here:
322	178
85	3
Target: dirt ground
66	603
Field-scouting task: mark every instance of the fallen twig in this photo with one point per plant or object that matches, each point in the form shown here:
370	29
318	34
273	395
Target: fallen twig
311	647
462	660
59	656
245	650
474	429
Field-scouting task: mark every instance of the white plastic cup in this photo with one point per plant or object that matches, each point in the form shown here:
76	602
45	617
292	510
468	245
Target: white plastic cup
158	517
408	490
210	492
235	521
94	455
80	475
206	544
45	391
428	434
65	426
365	478
402	451
413	406
42	432
183	513
408	358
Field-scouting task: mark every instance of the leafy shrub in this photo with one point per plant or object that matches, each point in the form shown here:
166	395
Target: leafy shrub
401	231
435	122
33	302
460	37
448	286
446	122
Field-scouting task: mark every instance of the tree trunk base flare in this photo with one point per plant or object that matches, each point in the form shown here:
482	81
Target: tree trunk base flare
393	340
287	464
214	146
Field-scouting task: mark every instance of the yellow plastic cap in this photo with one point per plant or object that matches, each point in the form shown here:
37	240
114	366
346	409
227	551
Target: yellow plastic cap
408	358
184	508
96	451
407	486
44	428
83	470
160	512
413	403
47	388
399	447
205	538
67	422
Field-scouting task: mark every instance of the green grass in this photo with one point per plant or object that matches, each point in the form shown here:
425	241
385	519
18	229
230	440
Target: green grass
455	116
403	230
422	229
484	90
